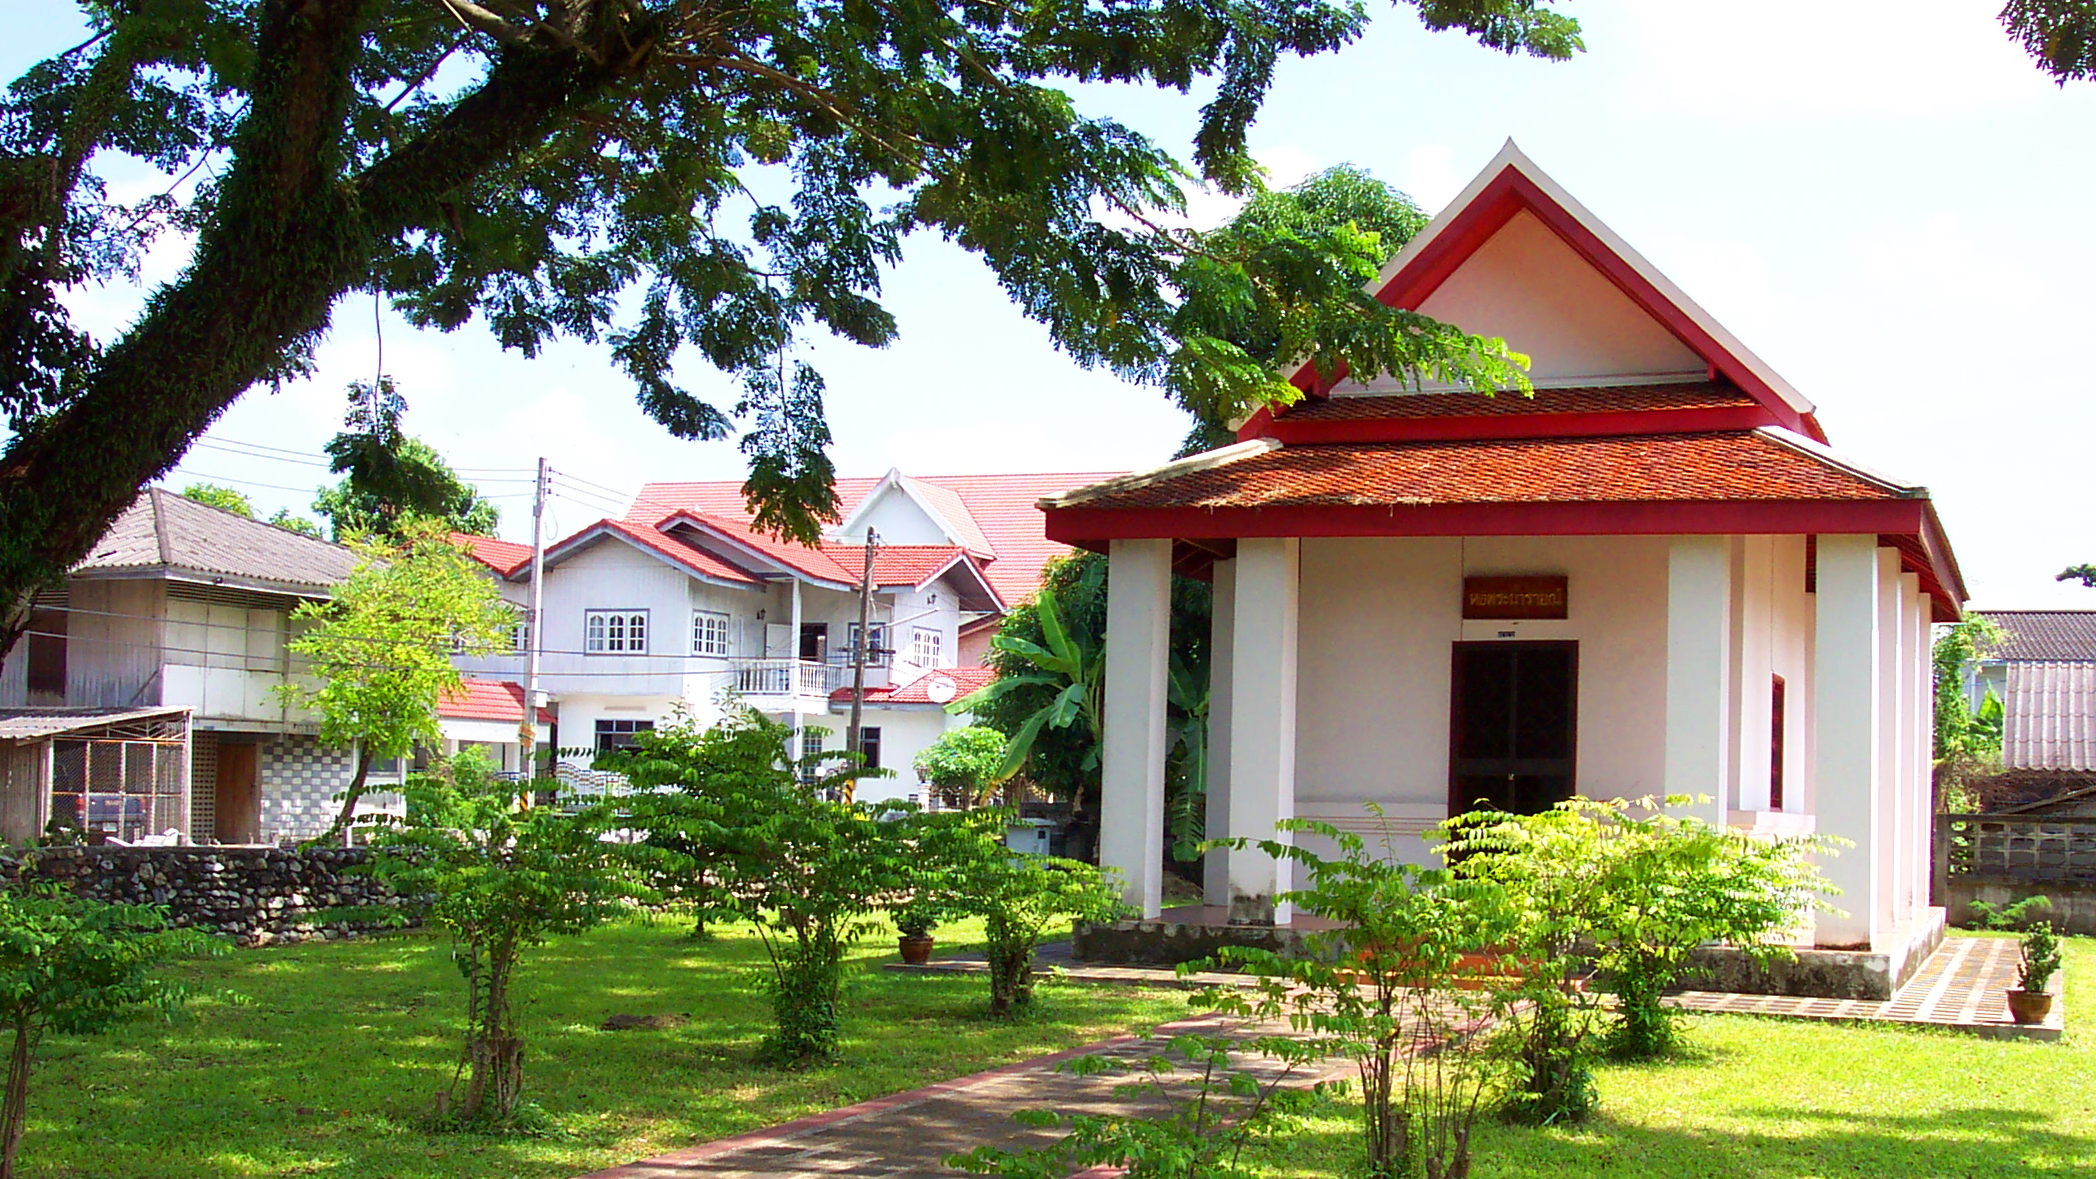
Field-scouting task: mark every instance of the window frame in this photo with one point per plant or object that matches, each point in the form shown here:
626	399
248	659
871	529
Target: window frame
878	653
626	616
703	621
918	647
617	726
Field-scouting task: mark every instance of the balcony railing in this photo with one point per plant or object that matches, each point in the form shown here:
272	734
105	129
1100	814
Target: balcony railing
788	677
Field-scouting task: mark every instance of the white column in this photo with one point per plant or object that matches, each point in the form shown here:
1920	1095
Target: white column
1902	799
1921	706
1138	636
1262	723
1699	673
1845	714
1215	879
1891	703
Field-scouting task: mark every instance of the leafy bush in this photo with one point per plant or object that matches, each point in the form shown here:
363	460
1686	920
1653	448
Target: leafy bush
2039	957
1388	989
1018	895
744	838
2011	916
962	763
1201	1137
74	965
1643	889
499	876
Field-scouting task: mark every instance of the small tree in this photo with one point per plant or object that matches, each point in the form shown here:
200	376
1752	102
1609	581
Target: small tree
1656	887
389	479
74	965
1018	895
500	877
808	872
1386	989
378	654
223	498
961	764
1968	739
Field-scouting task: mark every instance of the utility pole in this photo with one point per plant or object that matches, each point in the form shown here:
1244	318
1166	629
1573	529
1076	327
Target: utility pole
854	741
534	639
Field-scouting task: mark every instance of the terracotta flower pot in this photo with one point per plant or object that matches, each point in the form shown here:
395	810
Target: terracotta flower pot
2029	1006
916	951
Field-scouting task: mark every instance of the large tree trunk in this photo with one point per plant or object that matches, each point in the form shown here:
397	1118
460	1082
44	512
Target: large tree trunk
14	1111
292	232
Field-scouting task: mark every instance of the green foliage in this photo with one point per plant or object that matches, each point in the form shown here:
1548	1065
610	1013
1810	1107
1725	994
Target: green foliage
500	877
299	524
2038	957
2014	915
2061	35
222	498
744	838
1202	1136
679	188
1063	759
1650	887
1968	739
1387	989
391	480
1341	213
378	655
2085	574
1018	895
74	965
963	763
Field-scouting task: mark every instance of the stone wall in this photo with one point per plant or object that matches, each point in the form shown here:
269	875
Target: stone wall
257	895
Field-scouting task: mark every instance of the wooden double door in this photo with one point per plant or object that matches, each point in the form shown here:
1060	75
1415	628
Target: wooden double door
1513	721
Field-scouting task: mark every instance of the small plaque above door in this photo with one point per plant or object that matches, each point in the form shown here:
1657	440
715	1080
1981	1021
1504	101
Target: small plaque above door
1514	597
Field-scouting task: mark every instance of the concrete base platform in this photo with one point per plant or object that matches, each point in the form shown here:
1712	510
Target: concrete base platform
1195	932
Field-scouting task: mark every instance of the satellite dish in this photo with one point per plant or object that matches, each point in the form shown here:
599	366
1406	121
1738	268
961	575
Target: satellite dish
941	690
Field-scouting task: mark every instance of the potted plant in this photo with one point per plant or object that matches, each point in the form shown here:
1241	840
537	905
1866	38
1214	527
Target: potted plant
2030	1002
914	920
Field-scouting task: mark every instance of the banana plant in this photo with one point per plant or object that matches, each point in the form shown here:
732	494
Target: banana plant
1069	663
1186	818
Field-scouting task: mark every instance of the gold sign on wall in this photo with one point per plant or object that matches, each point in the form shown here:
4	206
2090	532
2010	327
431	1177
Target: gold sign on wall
1514	597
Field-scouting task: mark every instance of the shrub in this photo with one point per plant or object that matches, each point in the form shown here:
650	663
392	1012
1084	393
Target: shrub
2012	916
1018	895
499	876
74	965
961	764
2038	957
1642	890
1387	989
745	838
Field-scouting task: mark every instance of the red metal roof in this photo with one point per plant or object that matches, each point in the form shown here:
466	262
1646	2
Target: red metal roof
1000	509
488	700
2049	716
503	556
966	681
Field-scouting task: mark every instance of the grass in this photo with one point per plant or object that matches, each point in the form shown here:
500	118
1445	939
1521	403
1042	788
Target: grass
1764	1098
323	1059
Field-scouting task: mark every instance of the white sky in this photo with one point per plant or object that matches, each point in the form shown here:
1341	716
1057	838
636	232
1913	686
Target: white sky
1883	198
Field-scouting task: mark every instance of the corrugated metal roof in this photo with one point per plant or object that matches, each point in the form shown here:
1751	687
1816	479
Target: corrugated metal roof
29	724
2049	635
2049	717
165	533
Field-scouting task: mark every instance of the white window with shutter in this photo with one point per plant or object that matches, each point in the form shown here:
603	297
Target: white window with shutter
615	632
926	647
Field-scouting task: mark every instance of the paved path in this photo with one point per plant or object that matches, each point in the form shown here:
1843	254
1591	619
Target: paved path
909	1135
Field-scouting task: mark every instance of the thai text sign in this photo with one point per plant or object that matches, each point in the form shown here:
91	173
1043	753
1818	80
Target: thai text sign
1514	597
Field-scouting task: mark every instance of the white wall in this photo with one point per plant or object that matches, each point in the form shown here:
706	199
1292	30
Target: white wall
1527	287
896	519
1378	620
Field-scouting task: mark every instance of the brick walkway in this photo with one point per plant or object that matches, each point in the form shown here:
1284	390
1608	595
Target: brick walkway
909	1135
1960	986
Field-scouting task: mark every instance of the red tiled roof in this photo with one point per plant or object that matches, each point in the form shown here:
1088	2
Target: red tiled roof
488	700
1733	465
813	562
966	680
901	564
688	555
503	556
1001	509
1595	399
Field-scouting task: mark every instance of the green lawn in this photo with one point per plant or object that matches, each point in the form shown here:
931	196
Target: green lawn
337	1050
1791	1099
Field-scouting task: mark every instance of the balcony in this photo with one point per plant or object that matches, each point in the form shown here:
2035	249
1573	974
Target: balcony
774	684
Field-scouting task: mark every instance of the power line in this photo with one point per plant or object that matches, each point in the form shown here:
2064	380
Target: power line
193	473
573	478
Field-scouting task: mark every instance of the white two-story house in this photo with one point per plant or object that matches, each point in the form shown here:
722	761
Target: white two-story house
680	608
